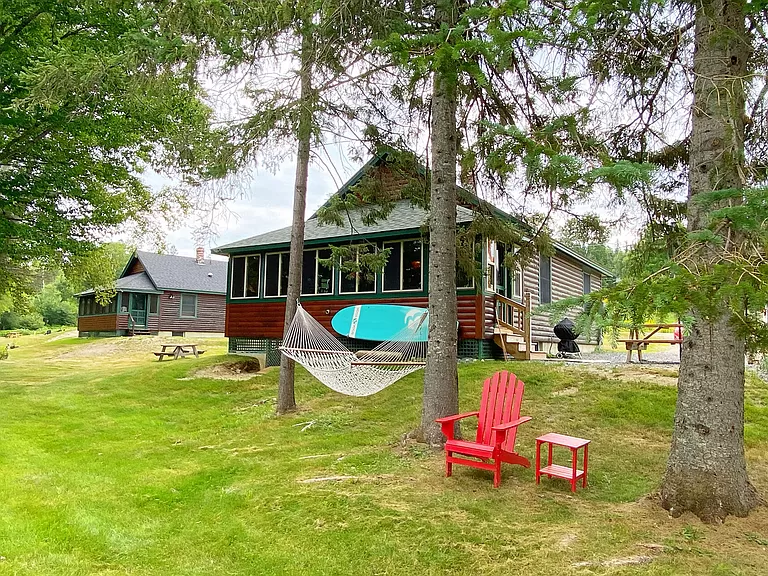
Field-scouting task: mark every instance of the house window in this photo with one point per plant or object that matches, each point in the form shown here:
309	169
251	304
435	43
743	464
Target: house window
517	282
545	279
360	278
465	279
154	303
276	274
245	276
587	283
316	278
188	306
403	270
509	281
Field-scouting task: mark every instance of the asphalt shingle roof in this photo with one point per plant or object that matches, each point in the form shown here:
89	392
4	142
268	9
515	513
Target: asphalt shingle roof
404	216
140	282
184	274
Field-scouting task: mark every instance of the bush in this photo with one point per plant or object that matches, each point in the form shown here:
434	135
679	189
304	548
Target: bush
10	320
58	313
33	321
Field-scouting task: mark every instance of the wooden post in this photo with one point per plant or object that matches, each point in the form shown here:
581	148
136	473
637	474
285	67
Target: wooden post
631	345
527	326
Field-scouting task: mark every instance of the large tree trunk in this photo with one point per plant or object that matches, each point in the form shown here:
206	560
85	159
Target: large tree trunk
441	394
286	399
706	473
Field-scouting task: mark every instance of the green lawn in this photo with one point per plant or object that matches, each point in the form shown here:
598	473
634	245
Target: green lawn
113	463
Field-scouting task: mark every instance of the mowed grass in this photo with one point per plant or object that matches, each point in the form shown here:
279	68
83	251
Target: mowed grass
113	463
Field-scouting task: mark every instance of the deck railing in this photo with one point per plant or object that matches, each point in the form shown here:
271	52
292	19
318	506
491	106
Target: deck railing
515	317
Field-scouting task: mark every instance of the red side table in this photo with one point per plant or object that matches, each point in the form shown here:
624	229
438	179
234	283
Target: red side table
572	473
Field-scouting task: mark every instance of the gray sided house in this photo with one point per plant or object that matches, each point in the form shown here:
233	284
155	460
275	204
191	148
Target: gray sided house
494	312
160	294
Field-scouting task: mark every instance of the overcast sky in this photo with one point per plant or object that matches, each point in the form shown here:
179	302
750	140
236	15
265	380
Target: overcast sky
266	206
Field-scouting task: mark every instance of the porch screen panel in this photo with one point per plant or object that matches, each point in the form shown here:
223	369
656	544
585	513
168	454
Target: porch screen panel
284	273
392	269
272	279
252	275
412	265
238	277
545	279
308	267
324	273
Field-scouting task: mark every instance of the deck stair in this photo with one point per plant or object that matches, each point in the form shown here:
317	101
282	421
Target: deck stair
512	328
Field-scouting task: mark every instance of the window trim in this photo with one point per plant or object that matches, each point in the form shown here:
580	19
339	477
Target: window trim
357	278
317	269
149	304
548	260
421	268
245	277
181	304
279	273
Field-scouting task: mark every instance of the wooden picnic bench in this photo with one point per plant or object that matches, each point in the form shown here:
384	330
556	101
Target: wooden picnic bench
178	351
639	341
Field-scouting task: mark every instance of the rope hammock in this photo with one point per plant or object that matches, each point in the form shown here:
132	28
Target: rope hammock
354	374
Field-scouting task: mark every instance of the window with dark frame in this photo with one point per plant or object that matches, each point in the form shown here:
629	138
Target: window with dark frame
587	287
188	305
316	278
276	274
246	276
545	279
360	282
403	269
154	303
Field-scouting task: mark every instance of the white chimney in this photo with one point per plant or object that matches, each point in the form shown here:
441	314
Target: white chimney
200	258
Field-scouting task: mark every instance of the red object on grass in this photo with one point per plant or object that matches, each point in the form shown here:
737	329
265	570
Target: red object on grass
573	473
498	419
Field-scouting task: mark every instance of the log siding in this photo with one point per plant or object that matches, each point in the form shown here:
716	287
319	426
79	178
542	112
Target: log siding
265	319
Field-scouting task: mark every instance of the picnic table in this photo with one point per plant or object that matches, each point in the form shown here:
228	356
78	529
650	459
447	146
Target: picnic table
178	351
640	339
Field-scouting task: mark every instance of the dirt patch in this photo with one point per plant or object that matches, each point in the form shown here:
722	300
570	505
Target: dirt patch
236	370
634	373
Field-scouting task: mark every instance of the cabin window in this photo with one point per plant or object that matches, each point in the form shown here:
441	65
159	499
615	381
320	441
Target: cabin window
276	274
464	279
360	279
517	282
316	278
545	279
403	269
587	283
154	303
509	281
245	276
81	307
188	306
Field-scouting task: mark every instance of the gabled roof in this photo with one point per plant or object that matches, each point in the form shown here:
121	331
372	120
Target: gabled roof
133	283
404	216
182	273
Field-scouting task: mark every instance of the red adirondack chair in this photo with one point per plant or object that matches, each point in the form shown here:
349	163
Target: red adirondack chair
498	419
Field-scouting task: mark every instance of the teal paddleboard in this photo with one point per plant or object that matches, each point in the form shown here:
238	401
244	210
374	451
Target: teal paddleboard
381	322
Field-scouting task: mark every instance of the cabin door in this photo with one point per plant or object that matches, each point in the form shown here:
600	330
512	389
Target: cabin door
138	309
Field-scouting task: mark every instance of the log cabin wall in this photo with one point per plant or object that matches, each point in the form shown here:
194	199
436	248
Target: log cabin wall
567	281
265	319
100	323
210	313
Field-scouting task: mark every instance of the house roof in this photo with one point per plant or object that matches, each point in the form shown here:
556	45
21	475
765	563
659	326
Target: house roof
182	273
133	283
404	216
